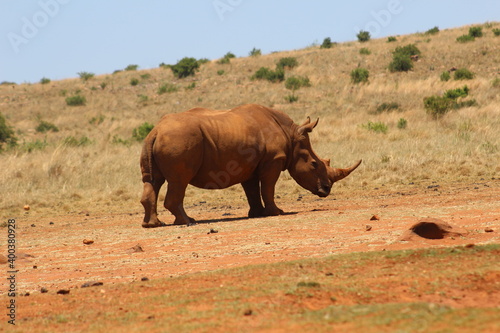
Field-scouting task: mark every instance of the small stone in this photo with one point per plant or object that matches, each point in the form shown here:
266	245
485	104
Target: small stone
88	241
144	278
51	223
212	231
91	284
63	291
44	290
368	227
135	249
469	246
33	225
35	266
488	229
26	207
375	218
248	312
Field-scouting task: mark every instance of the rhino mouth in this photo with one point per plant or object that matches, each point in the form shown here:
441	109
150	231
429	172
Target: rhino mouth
323	191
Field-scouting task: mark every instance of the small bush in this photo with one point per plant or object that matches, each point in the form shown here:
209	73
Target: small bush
437	106
134	81
71	141
465	39
432	31
131	67
45	126
359	75
7	136
44	80
85	76
167	88
103	85
29	147
391	39
296	82
224	61
365	51
402	123
401	63
476	32
287	62
456	93
255	52
407	50
496	32
363	36
265	73
327	43
203	61
185	67
76	100
377	127
463	74
220	72
386	107
291	98
140	133
445	76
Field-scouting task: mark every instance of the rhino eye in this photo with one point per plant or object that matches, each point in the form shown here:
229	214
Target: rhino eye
314	164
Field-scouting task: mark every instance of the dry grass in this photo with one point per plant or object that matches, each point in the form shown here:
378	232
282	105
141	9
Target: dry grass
463	145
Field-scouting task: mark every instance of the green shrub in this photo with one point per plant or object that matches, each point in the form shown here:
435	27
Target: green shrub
363	36
185	67
437	106
167	88
85	76
456	93
45	126
287	62
7	136
365	51
432	31
391	39
476	32
255	52
463	74
103	85
465	39
203	61
496	82
265	73
140	133
400	63
385	107
76	100
445	76
359	75
71	141
327	43
291	98
496	32
119	141
97	120
224	61
296	82
407	50
402	123
44	80
134	81
220	72
131	67
377	127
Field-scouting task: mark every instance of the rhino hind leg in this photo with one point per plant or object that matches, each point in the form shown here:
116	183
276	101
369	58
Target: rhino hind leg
252	191
149	201
174	202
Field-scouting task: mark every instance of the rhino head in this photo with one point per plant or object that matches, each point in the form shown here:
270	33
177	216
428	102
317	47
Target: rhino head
310	171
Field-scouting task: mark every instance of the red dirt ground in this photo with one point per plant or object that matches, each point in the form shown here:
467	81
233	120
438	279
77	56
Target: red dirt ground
59	259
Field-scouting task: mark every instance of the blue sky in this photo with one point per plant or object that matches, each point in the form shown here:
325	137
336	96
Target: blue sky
59	38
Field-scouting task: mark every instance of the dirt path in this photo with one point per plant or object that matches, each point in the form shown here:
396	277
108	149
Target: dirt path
58	258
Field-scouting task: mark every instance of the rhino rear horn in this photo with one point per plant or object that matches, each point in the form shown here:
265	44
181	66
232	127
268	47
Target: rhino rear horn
338	174
307	126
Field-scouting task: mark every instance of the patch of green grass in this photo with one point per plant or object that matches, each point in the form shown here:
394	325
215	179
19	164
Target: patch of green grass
387	107
167	88
76	100
45	126
377	127
140	133
71	141
365	51
359	75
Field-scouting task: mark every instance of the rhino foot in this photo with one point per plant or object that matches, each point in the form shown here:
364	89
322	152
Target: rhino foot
189	222
156	224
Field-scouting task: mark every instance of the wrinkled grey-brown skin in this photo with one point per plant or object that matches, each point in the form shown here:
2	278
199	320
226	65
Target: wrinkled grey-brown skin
249	145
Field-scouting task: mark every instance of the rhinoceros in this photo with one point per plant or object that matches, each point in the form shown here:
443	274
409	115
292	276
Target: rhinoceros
249	145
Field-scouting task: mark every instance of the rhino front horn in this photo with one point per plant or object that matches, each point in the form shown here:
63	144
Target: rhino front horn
337	174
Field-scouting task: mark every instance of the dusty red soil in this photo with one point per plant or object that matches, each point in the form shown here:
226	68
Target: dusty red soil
314	228
224	238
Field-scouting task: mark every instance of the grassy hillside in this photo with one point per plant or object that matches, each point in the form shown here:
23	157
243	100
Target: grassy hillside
91	162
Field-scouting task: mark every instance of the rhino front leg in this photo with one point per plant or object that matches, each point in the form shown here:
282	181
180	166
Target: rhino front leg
268	183
149	201
252	191
174	202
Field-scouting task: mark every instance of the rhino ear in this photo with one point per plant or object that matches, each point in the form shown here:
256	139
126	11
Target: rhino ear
307	126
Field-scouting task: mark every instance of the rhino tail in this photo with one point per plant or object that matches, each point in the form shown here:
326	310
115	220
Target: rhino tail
147	157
